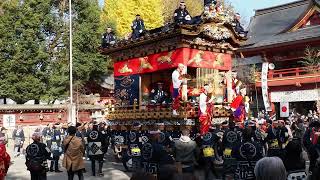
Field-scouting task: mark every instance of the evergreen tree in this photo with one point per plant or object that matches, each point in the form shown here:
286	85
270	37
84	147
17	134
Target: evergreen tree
89	64
34	46
23	60
57	82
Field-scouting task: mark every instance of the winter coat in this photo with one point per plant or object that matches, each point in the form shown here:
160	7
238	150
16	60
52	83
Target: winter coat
108	39
54	144
37	154
97	145
74	154
186	150
209	2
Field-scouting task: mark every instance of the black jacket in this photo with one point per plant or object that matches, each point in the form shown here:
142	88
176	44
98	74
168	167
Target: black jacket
180	15
38	152
231	137
47	134
96	144
108	39
18	135
238	27
154	156
209	2
247	151
293	163
138	25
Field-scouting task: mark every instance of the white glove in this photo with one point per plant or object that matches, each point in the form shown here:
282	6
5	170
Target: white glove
188	17
140	31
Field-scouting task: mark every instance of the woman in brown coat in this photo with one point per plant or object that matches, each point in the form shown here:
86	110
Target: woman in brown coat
74	151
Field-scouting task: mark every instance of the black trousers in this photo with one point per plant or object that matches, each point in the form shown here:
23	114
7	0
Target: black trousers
71	174
38	176
209	168
93	166
136	34
55	163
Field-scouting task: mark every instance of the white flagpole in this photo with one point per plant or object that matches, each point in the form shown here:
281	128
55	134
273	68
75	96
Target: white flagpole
71	109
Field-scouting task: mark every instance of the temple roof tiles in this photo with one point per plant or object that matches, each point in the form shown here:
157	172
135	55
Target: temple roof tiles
271	26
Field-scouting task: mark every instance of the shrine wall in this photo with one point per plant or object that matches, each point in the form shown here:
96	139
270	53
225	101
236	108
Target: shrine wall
37	118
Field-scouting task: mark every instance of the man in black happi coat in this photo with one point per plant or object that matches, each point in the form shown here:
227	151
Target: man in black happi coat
108	38
138	28
181	15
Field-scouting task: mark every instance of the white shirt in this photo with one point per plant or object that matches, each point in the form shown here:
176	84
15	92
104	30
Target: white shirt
203	103
175	79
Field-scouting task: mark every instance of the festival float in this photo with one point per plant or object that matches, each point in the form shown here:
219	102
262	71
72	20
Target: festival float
143	70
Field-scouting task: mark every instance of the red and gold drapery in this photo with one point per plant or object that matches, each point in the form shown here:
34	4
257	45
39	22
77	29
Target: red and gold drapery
167	60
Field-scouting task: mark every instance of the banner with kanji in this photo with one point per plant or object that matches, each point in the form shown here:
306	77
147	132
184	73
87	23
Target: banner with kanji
264	86
127	89
168	60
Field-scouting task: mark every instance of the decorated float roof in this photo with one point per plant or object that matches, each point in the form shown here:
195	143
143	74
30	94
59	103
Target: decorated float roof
279	25
216	35
209	44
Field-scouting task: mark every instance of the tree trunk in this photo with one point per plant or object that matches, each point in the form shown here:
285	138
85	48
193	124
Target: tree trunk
20	101
36	101
52	102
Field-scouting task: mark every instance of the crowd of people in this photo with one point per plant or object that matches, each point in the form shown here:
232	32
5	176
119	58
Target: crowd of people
265	149
258	149
181	16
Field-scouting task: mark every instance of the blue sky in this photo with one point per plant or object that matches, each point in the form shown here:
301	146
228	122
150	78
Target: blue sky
101	2
246	7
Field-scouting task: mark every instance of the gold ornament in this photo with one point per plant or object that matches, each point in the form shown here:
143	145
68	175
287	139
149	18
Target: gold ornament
219	60
197	59
125	69
144	63
165	59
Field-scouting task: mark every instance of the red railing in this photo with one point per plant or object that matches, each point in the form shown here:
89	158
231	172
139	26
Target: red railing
292	72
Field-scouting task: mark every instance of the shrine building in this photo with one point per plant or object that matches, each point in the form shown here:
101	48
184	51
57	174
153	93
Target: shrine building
281	36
